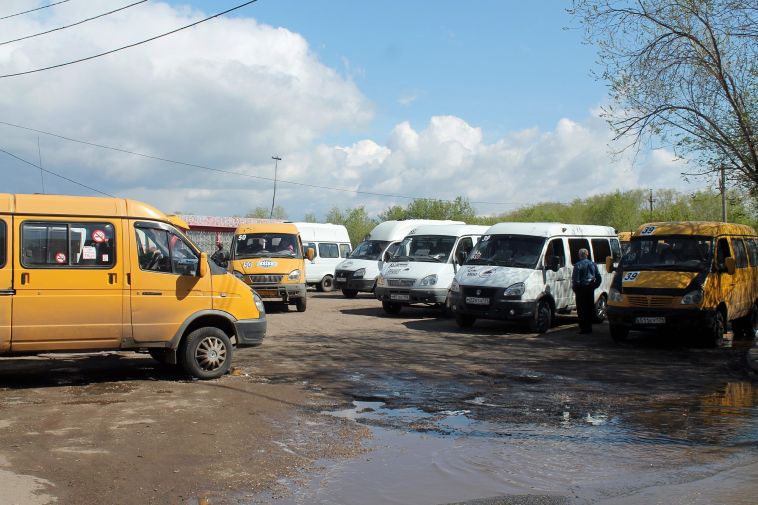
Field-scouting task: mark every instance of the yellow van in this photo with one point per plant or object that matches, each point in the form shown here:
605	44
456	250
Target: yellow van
694	276
269	257
86	274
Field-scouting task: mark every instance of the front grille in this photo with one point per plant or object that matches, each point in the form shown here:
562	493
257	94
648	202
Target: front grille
649	301
266	279
343	274
400	283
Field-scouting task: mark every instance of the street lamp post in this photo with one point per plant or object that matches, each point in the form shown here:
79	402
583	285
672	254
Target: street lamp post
273	199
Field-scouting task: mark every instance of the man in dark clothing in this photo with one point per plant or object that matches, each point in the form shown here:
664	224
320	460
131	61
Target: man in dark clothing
583	282
220	257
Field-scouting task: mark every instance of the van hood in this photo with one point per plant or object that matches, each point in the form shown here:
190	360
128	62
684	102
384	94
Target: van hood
491	276
413	269
353	265
656	279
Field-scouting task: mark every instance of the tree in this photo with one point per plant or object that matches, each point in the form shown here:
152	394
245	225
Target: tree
264	213
310	218
425	208
684	72
356	220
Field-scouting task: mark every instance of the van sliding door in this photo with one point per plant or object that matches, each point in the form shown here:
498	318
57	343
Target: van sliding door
6	283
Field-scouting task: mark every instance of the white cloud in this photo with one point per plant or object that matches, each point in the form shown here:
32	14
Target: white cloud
233	92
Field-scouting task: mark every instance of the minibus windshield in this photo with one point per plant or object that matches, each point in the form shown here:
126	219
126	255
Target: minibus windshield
432	248
518	251
266	245
672	252
369	250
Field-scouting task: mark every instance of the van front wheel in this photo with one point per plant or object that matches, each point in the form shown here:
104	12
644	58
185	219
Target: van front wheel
391	308
207	353
542	319
301	304
326	284
350	293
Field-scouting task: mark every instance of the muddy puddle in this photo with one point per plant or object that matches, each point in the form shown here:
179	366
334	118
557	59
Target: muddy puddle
704	451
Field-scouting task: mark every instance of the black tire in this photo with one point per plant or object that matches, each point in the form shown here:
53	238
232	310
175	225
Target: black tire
206	353
745	327
301	304
543	318
391	308
349	293
159	354
465	320
447	309
601	309
715	332
619	333
326	284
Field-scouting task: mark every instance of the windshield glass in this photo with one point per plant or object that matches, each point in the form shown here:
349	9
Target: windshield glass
266	245
369	250
434	248
520	251
673	252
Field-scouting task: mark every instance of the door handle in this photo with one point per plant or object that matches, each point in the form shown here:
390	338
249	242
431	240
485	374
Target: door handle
152	293
112	278
25	278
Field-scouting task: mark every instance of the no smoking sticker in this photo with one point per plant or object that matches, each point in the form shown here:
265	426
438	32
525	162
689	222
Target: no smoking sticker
98	236
60	258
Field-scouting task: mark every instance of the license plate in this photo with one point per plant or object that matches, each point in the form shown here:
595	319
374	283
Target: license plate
340	279
650	320
267	292
476	300
400	297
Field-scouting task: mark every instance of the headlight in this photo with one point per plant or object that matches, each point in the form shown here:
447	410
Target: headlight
380	281
359	273
259	303
455	287
294	275
693	297
239	275
515	289
429	280
615	295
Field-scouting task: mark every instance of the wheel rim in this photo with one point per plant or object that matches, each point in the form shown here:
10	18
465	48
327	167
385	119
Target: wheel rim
327	282
210	353
601	308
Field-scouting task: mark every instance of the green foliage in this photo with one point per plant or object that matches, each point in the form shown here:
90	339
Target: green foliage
265	213
357	222
310	218
425	208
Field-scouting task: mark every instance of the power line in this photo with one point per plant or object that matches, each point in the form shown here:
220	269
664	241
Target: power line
130	45
32	10
242	174
56	174
73	24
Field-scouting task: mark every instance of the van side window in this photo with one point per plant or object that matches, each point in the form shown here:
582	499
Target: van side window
464	246
328	251
184	261
311	245
56	244
344	250
615	250
152	249
555	248
601	249
3	243
740	255
752	249
722	252
578	243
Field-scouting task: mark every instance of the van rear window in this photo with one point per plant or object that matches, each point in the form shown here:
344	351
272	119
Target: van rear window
67	244
740	255
752	248
328	251
601	249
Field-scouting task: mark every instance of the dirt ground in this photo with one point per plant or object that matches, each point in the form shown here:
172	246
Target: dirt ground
119	428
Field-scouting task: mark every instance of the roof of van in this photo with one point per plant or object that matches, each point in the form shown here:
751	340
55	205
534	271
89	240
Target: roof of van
551	229
66	205
397	230
267	228
454	230
705	228
320	232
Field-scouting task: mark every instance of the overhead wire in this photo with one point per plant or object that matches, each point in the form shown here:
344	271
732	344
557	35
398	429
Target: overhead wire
73	24
129	45
55	174
33	10
242	174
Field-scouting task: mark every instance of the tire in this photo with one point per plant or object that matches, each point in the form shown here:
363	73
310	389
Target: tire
206	353
326	284
159	354
601	309
619	333
349	293
465	320
447	309
301	304
391	308
543	318
745	327
715	332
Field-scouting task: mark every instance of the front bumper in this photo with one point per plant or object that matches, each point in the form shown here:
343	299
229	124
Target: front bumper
343	279
281	291
412	295
497	308
629	317
250	331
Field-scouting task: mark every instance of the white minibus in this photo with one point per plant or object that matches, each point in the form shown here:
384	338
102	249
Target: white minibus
331	244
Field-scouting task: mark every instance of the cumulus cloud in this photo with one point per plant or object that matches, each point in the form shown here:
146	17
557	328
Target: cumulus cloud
231	93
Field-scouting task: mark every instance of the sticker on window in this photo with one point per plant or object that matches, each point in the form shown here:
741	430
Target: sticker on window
99	237
89	252
105	258
241	237
630	276
60	258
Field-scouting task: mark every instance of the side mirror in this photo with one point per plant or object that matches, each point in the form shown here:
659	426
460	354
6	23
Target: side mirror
609	264
204	268
730	265
553	263
386	256
460	257
310	253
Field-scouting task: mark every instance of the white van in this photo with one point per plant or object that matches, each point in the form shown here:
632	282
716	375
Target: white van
522	271
359	271
424	265
331	244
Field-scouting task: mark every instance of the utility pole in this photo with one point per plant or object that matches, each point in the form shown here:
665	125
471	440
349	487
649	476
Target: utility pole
273	199
650	199
722	189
